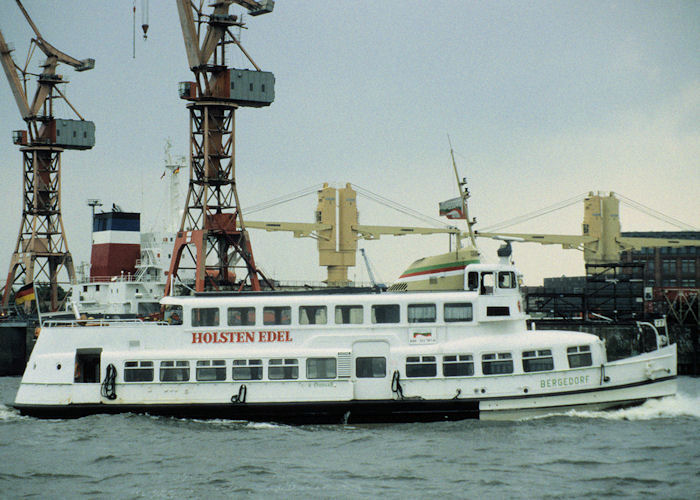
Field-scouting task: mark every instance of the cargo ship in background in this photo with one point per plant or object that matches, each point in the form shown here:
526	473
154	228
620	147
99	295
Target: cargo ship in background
128	268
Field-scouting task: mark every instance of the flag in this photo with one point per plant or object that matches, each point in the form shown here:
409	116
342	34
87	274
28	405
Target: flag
162	175
452	209
25	294
177	170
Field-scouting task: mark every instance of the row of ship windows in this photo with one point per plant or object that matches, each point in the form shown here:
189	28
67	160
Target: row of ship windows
457	365
318	315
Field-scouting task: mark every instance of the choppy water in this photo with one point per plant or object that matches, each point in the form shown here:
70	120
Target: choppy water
650	451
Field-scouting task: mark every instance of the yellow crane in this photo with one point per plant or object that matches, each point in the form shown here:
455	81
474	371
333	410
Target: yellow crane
601	239
338	231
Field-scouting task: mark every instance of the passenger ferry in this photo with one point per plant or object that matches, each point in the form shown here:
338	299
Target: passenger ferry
339	356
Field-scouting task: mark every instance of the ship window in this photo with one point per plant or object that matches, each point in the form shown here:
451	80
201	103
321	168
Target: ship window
247	369
473	281
458	312
346	315
385	313
205	316
506	279
321	368
458	365
279	315
148	308
579	356
210	370
241	316
421	366
421	313
497	311
174	371
374	367
138	371
496	363
283	369
486	283
313	315
538	361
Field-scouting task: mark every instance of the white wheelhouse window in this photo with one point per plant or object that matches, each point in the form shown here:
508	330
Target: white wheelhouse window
370	367
313	315
458	312
278	315
321	368
241	316
497	363
538	361
421	313
458	365
174	371
349	315
386	313
138	371
421	366
579	356
205	316
283	369
210	370
247	369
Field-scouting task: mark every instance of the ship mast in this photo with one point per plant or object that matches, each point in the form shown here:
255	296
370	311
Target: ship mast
464	196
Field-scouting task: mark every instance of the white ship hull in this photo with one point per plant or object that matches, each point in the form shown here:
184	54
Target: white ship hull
369	357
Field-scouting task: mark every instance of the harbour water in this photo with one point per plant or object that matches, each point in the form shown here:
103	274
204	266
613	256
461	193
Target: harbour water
652	451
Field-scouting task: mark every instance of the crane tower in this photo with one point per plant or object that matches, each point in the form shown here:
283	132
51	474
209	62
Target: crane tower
41	252
212	231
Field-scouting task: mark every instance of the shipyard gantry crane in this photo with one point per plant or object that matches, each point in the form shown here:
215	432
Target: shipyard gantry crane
601	238
42	252
212	229
337	231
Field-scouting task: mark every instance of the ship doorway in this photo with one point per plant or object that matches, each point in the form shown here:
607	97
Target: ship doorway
370	370
86	376
87	366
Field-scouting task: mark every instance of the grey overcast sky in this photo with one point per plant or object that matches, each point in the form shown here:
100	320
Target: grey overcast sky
543	101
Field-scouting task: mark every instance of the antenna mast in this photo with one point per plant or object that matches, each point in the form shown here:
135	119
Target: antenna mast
464	195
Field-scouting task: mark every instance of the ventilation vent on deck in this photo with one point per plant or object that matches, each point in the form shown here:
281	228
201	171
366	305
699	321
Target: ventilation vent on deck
398	287
344	364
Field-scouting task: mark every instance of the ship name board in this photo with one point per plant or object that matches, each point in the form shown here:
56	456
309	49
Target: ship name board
547	383
259	336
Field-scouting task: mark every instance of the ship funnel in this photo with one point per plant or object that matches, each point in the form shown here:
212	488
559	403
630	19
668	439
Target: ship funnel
116	244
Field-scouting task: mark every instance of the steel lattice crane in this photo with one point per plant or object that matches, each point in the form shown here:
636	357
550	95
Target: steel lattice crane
42	252
212	231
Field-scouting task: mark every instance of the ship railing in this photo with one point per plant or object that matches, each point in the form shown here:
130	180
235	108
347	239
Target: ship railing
302	285
99	322
108	279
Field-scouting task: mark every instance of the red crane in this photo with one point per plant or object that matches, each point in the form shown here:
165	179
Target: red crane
212	241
